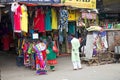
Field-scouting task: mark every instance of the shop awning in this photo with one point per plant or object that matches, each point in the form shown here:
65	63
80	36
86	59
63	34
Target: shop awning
58	5
29	4
1	5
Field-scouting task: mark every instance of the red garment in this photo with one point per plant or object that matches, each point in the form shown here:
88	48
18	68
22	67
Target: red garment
39	23
37	20
42	21
25	47
17	19
39	62
36	23
44	54
26	59
6	43
52	62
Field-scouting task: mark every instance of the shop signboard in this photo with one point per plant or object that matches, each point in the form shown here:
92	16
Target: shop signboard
71	15
88	15
35	36
2	1
35	1
89	4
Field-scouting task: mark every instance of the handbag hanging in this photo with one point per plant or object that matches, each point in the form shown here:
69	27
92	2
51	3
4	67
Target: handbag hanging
55	49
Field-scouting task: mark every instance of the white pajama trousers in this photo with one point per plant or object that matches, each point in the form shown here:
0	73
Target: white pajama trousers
76	64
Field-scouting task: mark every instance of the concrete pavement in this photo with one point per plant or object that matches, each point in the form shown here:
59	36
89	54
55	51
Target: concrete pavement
64	71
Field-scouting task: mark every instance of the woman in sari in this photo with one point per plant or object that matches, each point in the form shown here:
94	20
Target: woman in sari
51	55
40	48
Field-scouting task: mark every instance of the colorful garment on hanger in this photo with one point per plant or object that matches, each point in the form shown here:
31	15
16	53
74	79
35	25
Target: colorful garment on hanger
17	19
48	20
39	21
26	59
20	46
25	45
71	28
63	19
26	55
104	39
33	60
97	40
30	48
54	19
24	19
61	37
36	20
31	14
33	56
42	21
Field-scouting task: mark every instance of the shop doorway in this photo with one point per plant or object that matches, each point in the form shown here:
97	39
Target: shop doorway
6	31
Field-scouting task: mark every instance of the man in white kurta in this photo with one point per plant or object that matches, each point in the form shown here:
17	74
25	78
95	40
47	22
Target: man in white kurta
75	53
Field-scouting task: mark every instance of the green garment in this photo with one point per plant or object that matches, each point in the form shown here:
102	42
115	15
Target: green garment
52	67
48	20
51	55
71	28
30	49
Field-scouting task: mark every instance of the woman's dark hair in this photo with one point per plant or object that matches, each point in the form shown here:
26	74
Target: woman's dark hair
41	40
49	41
72	35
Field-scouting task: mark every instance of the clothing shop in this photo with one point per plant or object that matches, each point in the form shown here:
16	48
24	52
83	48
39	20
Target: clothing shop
34	25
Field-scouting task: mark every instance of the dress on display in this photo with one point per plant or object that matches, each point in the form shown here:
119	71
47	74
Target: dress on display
24	19
17	19
54	19
48	20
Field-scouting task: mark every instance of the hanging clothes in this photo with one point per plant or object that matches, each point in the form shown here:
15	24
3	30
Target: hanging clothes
42	21
16	8
97	41
71	28
48	20
63	19
26	55
104	39
36	20
61	37
31	14
24	19
39	23
12	19
54	19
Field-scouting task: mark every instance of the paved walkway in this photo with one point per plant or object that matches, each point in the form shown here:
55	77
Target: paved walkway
9	71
